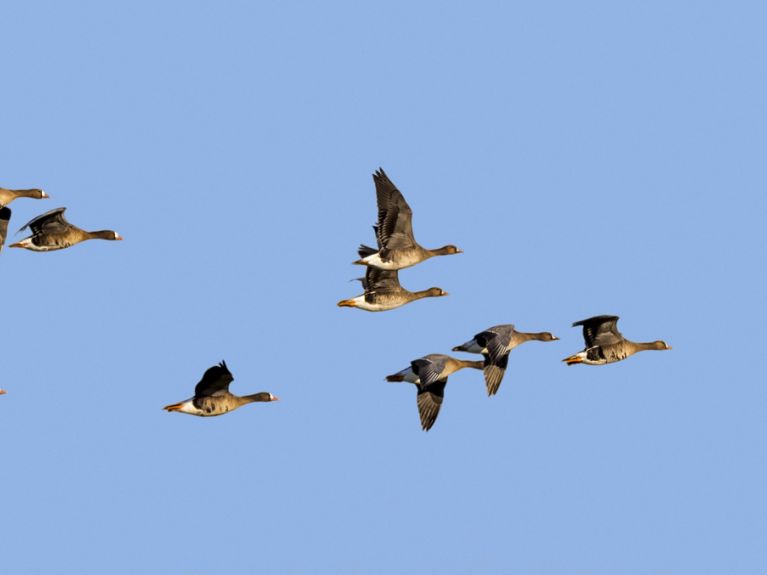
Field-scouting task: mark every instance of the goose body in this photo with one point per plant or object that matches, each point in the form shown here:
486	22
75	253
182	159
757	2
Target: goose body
605	344
397	248
429	373
383	290
7	196
51	231
495	345
212	396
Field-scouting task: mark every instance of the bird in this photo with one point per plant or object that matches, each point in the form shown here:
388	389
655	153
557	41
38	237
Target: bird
605	344
7	196
5	216
383	290
212	396
495	344
397	248
429	373
51	231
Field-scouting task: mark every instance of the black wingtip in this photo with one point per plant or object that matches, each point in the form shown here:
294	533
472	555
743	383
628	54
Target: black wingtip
5	213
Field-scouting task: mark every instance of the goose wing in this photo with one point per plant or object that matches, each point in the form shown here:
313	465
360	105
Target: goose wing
214	380
49	223
395	218
600	330
5	216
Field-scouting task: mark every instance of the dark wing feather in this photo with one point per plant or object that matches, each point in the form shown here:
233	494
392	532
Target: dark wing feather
215	379
395	218
429	368
5	216
493	372
600	330
429	402
496	340
49	222
378	282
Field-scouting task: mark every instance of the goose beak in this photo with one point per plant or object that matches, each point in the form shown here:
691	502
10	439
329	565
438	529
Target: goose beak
44	195
273	397
346	303
118	236
554	338
174	407
2	391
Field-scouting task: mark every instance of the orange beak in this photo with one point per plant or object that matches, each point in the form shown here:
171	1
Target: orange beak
572	360
346	303
174	407
2	391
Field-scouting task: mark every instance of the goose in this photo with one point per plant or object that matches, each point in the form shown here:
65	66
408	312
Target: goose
212	397
5	216
429	373
605	344
51	231
7	196
383	291
495	344
394	231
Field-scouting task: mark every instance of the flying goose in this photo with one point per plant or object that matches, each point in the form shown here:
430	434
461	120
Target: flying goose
383	291
212	397
430	374
51	231
495	344
397	246
605	344
7	196
5	216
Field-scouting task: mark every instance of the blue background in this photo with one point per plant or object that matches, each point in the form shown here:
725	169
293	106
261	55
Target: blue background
590	157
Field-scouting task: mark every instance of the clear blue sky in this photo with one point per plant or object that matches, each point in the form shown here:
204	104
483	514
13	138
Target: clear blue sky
589	157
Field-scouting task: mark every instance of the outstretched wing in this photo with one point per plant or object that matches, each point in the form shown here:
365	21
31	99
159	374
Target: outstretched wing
5	216
395	218
49	222
600	330
493	372
496	339
429	402
215	379
378	281
429	369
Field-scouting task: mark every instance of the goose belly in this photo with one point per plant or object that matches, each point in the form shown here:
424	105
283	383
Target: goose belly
376	261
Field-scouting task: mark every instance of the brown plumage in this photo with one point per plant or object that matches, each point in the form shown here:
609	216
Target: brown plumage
394	231
51	231
212	396
7	196
495	345
605	344
429	373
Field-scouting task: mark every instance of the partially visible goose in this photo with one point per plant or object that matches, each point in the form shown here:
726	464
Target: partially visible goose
397	246
430	374
212	397
7	196
2	391
51	231
605	344
383	291
5	216
495	344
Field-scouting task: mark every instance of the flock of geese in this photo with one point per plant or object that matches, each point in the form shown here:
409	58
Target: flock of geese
396	249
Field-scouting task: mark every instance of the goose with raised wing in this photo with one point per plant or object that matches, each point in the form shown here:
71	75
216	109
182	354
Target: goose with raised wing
429	373
605	344
394	230
51	231
495	345
7	196
212	396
